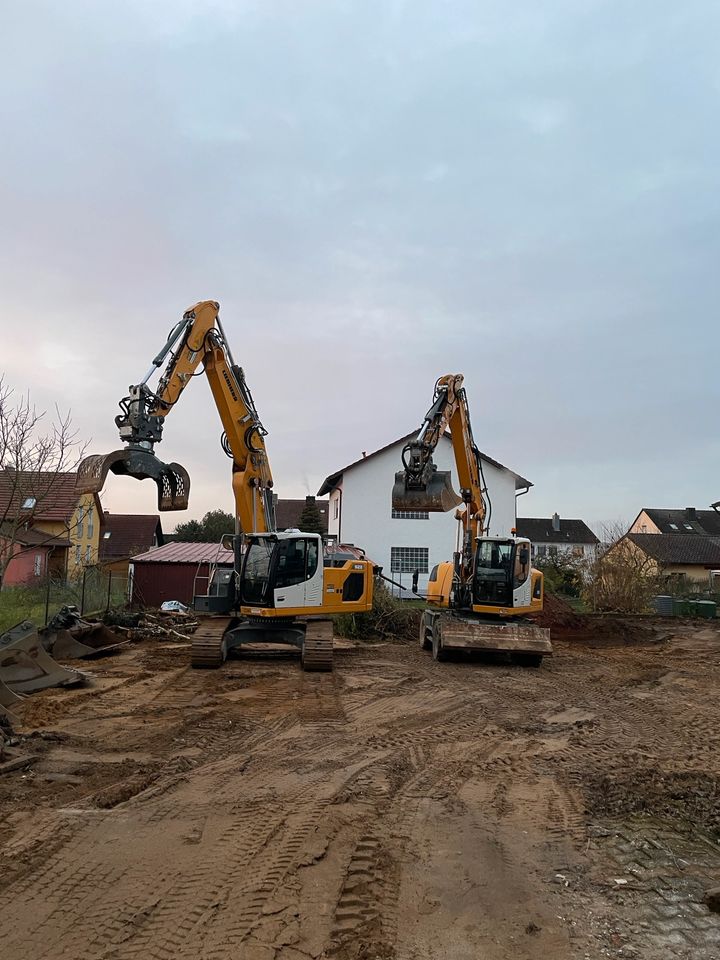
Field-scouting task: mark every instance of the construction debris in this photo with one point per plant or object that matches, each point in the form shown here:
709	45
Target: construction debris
25	665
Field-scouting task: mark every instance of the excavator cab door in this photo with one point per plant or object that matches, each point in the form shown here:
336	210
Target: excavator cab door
298	573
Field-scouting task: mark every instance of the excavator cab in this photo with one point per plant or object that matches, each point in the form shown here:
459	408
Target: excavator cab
502	572
282	571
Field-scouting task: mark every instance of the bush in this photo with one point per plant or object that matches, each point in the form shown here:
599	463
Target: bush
561	574
389	618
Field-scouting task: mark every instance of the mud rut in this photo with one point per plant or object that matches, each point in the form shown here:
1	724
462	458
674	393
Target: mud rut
396	809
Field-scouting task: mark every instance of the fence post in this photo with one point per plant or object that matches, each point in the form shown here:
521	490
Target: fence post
82	596
107	605
47	600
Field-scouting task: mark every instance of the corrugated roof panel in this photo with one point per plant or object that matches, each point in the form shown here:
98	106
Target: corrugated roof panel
186	553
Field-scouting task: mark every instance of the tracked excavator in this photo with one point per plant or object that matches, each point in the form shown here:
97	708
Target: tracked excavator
281	590
483	598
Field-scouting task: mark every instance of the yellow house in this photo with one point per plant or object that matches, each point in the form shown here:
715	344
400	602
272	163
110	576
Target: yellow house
49	503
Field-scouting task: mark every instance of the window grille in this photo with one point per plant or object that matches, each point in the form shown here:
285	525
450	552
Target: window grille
410	515
409	559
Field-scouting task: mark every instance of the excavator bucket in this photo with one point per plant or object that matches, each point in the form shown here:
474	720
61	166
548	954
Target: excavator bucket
435	495
172	480
25	665
68	636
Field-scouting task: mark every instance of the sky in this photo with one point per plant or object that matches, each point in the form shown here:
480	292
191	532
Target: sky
377	192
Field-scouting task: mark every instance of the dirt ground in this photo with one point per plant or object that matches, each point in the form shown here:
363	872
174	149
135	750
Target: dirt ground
399	808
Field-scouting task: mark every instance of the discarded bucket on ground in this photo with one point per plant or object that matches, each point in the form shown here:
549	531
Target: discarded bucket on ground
68	636
173	481
25	665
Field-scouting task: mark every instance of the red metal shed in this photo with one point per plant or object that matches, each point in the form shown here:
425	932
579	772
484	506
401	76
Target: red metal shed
175	571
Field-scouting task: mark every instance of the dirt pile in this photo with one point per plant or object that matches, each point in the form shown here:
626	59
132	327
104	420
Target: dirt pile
557	614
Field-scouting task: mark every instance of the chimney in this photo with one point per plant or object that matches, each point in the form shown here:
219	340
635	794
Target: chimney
364	453
309	499
691	513
556	522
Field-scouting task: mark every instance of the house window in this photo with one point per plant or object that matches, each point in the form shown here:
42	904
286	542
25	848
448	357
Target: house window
577	551
106	535
91	521
80	515
688	526
643	528
87	553
336	508
77	553
38	564
409	559
552	551
673	526
29	503
542	551
410	515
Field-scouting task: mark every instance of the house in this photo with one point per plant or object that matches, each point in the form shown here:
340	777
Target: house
553	537
126	534
174	571
288	512
49	504
33	555
681	543
405	541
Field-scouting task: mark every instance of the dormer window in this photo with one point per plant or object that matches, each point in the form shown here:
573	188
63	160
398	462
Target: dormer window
674	526
29	503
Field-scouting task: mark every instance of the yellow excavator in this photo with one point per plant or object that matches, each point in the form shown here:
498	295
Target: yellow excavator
282	588
482	599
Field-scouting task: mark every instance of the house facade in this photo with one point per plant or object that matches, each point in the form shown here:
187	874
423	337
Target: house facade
31	557
681	543
554	536
360	512
49	505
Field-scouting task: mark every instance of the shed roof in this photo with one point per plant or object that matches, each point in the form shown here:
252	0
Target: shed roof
679	548
541	530
32	538
332	479
179	552
129	533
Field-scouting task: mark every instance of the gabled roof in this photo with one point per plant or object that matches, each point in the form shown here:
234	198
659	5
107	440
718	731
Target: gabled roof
129	533
687	521
540	530
679	548
55	493
287	513
187	553
331	481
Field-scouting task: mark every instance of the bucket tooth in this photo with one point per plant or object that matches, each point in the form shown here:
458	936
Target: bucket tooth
173	481
435	495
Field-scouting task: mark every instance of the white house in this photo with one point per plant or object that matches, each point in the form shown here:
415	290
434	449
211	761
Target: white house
553	536
360	511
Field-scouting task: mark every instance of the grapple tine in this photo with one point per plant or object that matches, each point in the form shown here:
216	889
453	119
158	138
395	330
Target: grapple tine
173	481
436	495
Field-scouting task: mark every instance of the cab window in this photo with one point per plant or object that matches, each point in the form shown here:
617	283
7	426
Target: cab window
291	562
522	565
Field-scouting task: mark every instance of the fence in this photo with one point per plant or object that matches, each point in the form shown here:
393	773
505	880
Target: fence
96	591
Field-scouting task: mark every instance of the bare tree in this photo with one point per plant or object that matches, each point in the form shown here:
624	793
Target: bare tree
622	578
35	457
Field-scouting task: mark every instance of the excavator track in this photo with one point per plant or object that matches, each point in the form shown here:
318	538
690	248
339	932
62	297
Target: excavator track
208	650
317	651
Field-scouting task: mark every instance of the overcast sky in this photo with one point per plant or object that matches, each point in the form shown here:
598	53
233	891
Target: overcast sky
377	192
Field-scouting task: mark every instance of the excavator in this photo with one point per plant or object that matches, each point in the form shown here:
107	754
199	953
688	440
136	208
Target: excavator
281	589
482	599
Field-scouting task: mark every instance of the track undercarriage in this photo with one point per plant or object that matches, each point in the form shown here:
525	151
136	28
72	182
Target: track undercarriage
217	637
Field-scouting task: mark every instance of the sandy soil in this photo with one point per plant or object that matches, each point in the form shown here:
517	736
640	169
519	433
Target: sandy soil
396	809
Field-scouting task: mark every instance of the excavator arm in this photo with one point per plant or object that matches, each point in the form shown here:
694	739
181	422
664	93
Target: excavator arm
421	486
197	341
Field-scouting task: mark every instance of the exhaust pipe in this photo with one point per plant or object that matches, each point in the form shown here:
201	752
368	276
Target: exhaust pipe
173	481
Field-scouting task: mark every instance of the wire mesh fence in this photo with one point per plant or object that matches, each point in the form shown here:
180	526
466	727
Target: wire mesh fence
94	592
